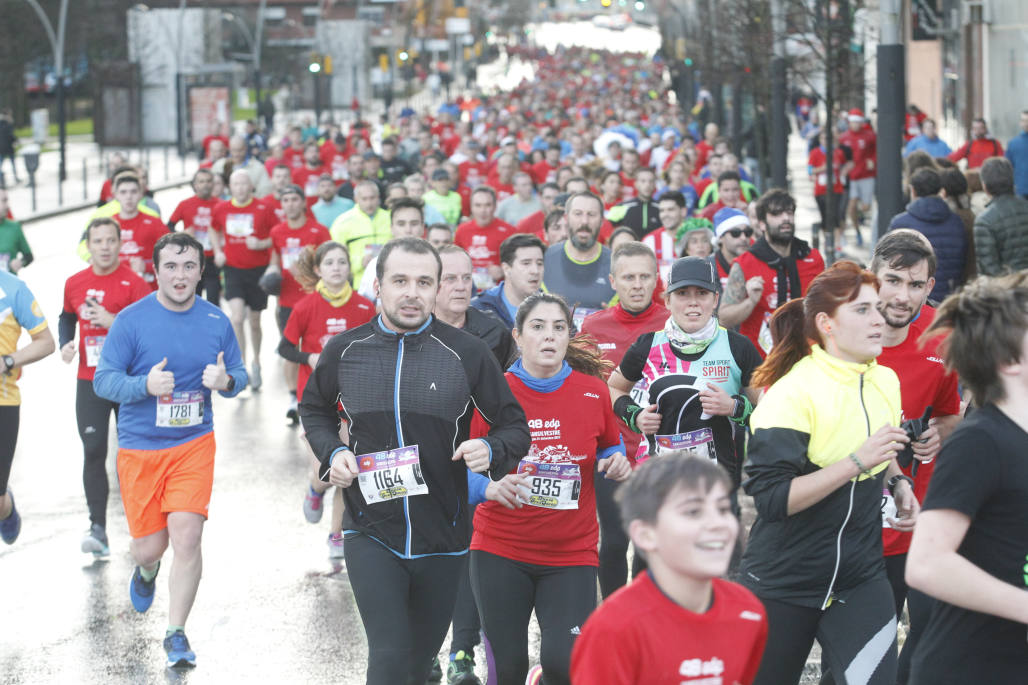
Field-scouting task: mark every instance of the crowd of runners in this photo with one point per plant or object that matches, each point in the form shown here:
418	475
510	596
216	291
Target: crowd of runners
539	345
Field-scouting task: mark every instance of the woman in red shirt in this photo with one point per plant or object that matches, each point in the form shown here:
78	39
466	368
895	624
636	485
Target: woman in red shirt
332	308
534	545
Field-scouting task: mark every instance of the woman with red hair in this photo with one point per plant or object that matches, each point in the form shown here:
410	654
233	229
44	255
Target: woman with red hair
824	446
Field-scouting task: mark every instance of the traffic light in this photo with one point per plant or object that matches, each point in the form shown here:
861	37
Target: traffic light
326	64
688	61
640	5
605	3
402	56
315	63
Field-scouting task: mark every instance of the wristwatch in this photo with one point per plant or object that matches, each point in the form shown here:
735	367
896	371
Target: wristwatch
894	481
8	363
231	384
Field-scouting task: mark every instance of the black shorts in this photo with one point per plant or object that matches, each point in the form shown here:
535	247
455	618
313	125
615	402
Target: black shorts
282	317
243	283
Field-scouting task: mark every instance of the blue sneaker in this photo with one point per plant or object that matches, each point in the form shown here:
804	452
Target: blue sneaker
179	653
10	526
141	591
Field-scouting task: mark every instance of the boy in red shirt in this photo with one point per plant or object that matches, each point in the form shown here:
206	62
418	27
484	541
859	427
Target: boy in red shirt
678	622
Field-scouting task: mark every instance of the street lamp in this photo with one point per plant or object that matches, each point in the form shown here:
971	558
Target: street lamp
57	45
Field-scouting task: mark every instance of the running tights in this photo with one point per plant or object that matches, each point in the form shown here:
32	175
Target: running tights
466	625
210	282
507	591
613	538
405	605
8	439
857	634
93	414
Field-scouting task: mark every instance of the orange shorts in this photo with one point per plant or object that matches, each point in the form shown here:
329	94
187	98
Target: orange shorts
155	483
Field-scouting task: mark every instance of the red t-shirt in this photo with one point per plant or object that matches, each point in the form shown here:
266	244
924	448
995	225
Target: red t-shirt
333	158
703	150
503	190
113	292
106	192
314	321
207	140
307	178
568	426
817	159
236	224
923	382
614	331
273	203
639	635
287	243
138	237
195	215
865	152
482	243
534	223
543	172
808	267
293	157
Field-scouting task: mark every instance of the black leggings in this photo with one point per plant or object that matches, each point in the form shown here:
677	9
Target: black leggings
857	634
613	569
405	605
919	606
466	625
9	419
507	591
93	414
210	282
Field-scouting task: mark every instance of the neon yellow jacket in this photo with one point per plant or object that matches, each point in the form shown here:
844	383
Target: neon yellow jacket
362	235
817	414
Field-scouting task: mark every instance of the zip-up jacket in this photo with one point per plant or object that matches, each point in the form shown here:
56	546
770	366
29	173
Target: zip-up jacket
419	388
641	217
491	300
817	414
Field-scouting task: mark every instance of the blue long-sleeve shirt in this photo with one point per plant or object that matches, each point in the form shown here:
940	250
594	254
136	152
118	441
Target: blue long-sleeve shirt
1017	153
142	335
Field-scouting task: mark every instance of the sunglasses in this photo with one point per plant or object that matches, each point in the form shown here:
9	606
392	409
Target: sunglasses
736	232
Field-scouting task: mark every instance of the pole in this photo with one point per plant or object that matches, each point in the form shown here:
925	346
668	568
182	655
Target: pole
829	131
258	38
891	109
85	184
779	122
57	46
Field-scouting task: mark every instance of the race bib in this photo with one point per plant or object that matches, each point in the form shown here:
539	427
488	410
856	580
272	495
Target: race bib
889	510
551	486
289	257
699	442
94	344
385	476
764	336
482	279
239	225
204	239
180	409
822	179
580	314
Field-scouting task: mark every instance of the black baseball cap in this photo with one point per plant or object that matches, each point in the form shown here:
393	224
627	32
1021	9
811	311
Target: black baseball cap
693	271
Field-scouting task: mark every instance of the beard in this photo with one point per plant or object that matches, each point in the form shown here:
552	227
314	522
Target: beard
774	235
580	242
894	321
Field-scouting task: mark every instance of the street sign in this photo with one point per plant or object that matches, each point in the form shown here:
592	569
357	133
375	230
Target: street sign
437	45
457	25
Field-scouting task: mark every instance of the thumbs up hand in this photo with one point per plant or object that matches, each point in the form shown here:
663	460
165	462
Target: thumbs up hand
158	381
215	377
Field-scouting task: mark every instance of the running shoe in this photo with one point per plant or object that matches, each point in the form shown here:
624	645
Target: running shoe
95	541
312	509
293	413
535	675
255	377
140	591
179	653
335	546
462	670
10	526
436	674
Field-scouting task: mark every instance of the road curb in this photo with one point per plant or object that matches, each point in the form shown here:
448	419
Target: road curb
67	209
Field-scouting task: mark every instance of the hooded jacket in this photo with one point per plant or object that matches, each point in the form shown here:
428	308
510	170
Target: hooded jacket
932	217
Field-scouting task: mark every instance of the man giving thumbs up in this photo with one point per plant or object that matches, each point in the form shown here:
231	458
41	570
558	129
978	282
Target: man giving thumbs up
156	363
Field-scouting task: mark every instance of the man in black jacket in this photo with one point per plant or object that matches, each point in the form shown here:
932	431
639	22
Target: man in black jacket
406	386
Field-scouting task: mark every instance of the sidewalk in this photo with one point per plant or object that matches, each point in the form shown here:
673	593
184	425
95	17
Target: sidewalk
85	167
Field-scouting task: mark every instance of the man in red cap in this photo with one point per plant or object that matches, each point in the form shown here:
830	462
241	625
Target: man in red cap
860	138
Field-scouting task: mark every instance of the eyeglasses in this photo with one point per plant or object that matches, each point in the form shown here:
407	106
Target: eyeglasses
736	232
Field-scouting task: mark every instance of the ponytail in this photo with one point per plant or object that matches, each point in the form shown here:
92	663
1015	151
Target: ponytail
303	269
790	344
584	356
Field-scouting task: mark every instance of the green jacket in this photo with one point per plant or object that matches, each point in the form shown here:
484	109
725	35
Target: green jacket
1001	236
13	244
